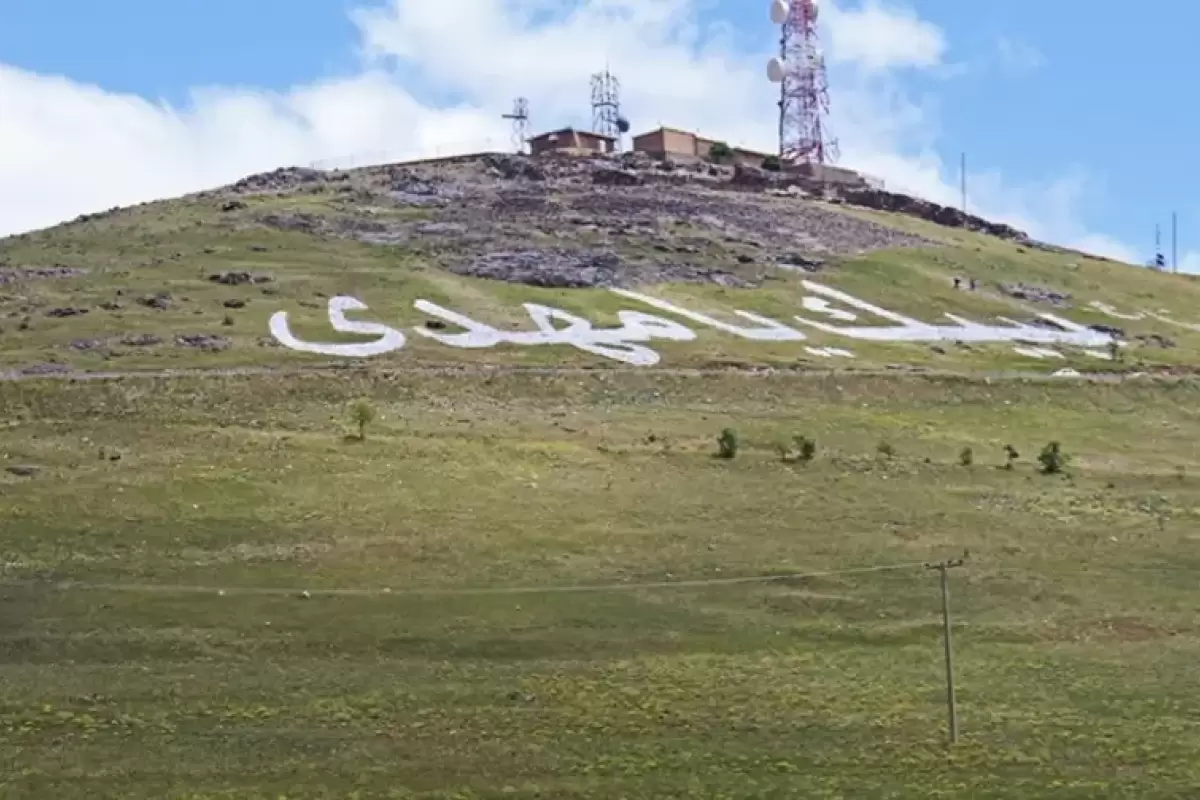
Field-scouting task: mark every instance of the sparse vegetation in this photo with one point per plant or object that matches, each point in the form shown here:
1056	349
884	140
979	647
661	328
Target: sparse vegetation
727	444
362	413
1010	456
806	449
1052	459
966	457
885	449
204	609
720	153
233	483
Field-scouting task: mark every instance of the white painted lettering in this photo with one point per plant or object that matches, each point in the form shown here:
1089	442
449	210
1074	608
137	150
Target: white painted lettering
769	330
389	338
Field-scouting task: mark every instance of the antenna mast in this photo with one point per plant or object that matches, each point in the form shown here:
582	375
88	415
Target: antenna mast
520	123
803	89
606	106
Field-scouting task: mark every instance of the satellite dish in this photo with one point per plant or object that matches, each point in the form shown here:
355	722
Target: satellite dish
622	125
776	70
779	12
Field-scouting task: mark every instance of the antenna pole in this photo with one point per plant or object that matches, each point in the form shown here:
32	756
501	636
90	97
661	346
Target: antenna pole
963	176
804	88
1174	242
520	121
606	106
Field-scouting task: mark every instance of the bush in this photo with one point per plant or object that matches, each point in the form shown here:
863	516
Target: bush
1010	456
806	449
885	449
1052	459
719	152
727	443
771	164
966	457
362	413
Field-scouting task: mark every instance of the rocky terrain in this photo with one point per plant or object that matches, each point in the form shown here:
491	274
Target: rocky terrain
571	222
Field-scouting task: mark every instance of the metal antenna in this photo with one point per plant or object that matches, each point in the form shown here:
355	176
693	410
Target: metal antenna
803	88
606	106
520	123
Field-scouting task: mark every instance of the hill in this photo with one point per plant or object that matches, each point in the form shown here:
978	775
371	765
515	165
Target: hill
194	282
532	575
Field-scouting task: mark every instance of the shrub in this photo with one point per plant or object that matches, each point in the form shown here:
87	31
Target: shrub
966	457
1052	459
885	449
719	152
362	413
1010	456
806	449
771	164
727	443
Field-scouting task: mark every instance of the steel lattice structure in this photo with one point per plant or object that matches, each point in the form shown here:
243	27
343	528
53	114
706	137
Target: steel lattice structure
606	104
803	90
520	123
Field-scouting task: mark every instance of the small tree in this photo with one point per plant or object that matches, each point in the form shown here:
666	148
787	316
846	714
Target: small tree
1010	456
806	449
885	449
727	443
719	153
1052	459
1114	348
362	413
771	164
966	457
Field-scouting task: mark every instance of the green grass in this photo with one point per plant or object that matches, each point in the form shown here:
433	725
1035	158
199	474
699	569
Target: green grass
125	672
174	246
491	607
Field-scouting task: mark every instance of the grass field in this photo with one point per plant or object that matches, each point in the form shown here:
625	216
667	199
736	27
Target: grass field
154	641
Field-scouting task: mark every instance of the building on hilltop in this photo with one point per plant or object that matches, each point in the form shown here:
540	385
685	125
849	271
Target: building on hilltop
678	145
829	174
673	144
572	142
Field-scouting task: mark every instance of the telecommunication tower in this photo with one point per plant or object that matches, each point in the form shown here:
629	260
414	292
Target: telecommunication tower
520	123
606	106
799	69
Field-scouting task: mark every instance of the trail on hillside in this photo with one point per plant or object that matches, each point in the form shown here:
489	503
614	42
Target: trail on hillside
508	369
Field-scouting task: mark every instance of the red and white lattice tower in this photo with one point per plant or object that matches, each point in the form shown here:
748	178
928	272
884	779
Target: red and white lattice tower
803	90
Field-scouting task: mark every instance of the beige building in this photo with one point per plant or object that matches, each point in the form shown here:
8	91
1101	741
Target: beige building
571	141
680	145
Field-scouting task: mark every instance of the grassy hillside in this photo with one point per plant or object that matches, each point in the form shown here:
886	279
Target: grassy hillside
156	643
544	584
316	236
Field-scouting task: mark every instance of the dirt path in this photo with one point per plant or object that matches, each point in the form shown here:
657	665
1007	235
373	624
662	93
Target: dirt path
492	369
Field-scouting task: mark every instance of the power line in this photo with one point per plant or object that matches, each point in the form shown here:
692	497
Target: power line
147	588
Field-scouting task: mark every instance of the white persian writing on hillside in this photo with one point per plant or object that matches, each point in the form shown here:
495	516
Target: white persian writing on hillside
627	343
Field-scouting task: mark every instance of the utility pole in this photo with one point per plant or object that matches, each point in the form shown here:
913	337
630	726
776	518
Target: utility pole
963	174
1174	241
943	568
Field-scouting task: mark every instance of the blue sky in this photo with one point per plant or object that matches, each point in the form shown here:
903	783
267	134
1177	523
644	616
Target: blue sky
1036	93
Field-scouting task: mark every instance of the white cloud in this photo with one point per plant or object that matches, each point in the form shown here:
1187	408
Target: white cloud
1019	56
877	37
68	148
